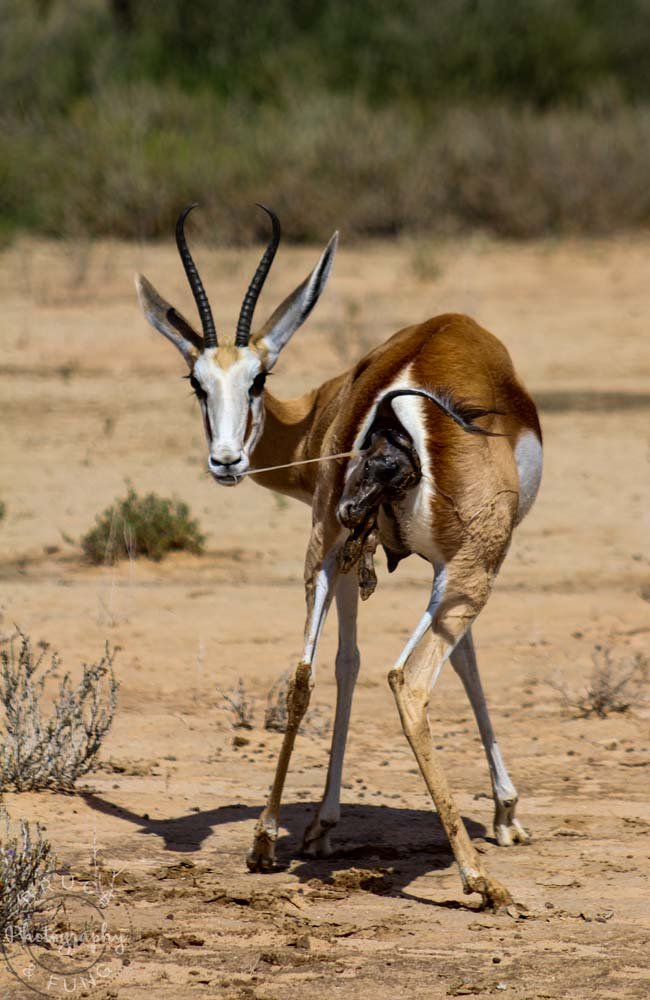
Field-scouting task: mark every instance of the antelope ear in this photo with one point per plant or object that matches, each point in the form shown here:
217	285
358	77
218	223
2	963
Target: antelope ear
295	309
168	321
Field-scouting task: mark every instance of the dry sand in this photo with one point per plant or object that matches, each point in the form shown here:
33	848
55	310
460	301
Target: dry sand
91	397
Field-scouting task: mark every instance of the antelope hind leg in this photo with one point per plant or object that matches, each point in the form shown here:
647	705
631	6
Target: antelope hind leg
507	828
316	841
411	681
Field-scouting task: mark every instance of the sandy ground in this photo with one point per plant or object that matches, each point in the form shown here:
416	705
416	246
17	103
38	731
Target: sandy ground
91	398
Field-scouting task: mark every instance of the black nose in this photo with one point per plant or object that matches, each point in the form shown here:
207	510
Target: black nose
214	464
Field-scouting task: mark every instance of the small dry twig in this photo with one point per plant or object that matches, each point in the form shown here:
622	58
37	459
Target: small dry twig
614	686
276	713
240	706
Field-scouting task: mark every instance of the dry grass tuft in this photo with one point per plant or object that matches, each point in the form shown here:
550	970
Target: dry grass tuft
276	714
614	685
240	705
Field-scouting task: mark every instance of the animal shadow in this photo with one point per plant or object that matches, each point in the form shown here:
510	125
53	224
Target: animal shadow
403	844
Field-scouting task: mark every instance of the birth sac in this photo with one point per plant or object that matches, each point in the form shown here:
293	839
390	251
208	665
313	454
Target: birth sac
389	468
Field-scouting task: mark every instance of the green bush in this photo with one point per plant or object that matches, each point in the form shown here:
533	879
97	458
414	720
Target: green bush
150	526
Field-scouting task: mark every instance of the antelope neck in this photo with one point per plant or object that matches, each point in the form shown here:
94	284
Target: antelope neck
286	427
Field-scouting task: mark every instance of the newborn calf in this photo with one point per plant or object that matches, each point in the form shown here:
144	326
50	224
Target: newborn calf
389	468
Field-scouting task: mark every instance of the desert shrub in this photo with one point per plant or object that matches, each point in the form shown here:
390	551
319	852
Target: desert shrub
240	706
150	526
276	715
615	685
3	510
51	751
26	864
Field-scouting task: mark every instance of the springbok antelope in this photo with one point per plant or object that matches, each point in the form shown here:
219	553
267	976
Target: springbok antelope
477	481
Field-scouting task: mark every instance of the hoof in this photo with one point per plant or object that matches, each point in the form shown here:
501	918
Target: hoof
495	896
321	847
261	857
316	841
507	829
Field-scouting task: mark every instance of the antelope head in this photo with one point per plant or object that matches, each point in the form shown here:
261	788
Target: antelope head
228	373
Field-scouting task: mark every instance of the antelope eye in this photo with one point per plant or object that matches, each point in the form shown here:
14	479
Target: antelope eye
257	387
198	388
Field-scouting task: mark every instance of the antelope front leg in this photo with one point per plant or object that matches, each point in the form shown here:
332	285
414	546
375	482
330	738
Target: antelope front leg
320	582
411	681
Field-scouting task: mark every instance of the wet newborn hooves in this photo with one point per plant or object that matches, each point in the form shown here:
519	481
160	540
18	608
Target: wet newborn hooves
367	574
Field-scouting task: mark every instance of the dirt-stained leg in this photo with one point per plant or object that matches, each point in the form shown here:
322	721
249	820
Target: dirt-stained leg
316	841
457	598
320	579
507	828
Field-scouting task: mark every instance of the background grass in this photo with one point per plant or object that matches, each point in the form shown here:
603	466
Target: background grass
380	117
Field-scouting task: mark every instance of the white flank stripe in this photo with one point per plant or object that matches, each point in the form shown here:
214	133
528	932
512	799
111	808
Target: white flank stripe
414	511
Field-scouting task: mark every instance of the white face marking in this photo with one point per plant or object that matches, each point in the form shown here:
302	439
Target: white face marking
229	393
528	456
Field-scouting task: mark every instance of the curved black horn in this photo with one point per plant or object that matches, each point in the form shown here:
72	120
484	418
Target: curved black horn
255	287
198	291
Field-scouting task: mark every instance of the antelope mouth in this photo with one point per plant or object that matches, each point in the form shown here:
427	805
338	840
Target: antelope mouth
227	479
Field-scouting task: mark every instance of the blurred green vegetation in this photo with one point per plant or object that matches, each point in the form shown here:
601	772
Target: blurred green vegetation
150	526
523	117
